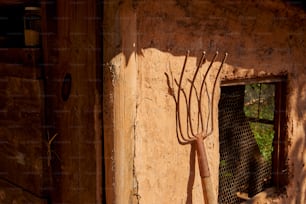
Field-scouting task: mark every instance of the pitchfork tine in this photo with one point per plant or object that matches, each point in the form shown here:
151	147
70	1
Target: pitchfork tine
209	109
202	86
198	99
197	138
213	94
191	135
178	101
190	92
190	138
171	92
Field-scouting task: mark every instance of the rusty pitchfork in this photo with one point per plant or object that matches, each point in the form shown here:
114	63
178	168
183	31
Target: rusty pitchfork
195	120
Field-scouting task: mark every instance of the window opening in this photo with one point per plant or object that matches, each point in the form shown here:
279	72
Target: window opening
259	109
252	139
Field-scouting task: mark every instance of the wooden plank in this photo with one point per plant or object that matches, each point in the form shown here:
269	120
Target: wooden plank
10	193
244	81
21	139
19	71
20	156
22	56
280	140
77	120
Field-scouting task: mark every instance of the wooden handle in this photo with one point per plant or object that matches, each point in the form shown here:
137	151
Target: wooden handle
202	158
208	191
207	187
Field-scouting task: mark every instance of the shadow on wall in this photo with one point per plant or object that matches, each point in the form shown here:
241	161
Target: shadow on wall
299	149
236	28
191	177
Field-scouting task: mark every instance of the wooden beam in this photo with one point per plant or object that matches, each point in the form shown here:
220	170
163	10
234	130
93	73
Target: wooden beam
257	80
72	49
280	141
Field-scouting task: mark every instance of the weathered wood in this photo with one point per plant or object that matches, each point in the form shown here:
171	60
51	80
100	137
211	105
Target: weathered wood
21	141
21	138
72	49
23	56
20	71
280	140
10	193
244	81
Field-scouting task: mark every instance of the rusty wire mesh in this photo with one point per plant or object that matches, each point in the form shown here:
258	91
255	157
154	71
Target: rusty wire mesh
242	168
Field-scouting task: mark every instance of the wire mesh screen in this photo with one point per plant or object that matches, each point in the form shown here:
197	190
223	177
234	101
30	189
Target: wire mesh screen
242	168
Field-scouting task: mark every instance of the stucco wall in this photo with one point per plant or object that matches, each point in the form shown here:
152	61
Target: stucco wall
262	38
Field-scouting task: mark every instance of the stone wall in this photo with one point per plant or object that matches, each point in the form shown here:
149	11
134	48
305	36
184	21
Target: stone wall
144	160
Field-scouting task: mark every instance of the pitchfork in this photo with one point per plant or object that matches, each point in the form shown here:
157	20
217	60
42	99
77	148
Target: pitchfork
196	130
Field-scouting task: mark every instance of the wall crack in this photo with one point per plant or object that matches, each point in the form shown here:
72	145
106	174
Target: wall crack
136	196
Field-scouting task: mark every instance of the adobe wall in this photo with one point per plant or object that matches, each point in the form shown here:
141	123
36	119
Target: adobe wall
262	38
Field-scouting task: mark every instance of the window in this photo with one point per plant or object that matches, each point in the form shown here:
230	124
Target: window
252	132
259	108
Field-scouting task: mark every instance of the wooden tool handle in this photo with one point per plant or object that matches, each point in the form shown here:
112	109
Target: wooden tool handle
202	158
208	190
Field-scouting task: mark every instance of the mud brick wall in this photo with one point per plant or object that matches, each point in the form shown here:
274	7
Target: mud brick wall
143	40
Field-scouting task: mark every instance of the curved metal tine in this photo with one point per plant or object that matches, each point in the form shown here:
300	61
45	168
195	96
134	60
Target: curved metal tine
178	97
213	95
202	86
198	99
191	90
179	93
190	138
200	119
209	110
181	139
178	130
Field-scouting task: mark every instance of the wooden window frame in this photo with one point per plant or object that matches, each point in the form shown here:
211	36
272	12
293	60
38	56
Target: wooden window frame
280	141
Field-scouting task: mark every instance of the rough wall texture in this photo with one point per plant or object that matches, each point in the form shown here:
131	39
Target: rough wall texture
262	38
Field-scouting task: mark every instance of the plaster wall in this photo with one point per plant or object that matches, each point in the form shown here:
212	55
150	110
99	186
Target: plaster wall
263	38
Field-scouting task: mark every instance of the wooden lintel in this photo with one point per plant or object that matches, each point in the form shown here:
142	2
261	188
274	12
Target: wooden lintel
244	81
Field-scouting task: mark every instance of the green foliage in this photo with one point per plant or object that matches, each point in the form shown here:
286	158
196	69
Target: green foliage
264	134
259	101
259	104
